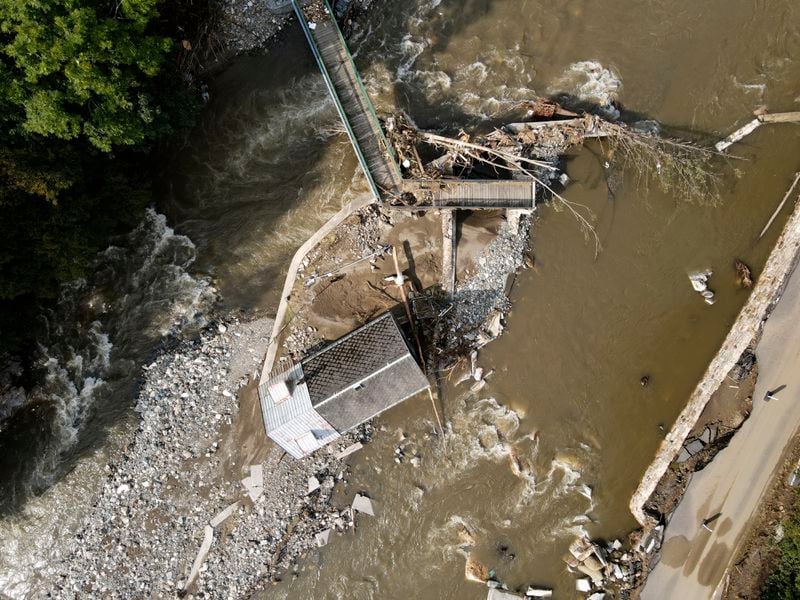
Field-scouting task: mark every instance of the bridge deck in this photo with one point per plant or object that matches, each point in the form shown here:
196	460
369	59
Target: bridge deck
468	194
352	102
364	129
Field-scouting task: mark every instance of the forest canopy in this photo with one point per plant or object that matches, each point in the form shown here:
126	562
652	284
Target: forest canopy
87	89
76	68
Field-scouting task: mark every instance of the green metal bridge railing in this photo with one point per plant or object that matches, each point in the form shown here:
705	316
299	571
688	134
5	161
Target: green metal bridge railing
339	107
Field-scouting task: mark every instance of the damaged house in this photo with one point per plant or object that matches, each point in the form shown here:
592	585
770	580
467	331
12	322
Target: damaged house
309	404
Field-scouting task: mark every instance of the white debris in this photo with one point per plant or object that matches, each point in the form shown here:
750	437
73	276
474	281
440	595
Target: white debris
583	585
700	285
363	505
224	514
478	386
539	592
208	537
257	475
738	135
322	538
498	594
254	483
123	489
349	450
699	281
313	484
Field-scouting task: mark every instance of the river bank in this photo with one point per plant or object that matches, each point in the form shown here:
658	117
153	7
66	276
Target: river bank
198	437
182	466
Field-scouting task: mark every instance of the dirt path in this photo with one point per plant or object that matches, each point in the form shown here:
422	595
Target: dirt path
694	560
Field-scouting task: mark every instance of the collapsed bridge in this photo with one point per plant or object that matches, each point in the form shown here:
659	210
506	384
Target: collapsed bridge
375	155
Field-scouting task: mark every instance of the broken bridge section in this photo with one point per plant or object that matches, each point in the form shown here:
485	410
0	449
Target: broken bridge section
374	153
351	99
469	193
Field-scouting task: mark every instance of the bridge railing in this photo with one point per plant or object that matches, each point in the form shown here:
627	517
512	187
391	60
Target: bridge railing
332	89
370	107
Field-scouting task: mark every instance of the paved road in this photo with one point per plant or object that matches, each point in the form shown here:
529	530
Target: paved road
694	560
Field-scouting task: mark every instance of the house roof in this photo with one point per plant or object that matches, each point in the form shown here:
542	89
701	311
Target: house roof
382	390
353	358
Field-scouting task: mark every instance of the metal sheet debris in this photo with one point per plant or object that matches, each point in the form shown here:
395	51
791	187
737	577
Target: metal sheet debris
534	592
208	537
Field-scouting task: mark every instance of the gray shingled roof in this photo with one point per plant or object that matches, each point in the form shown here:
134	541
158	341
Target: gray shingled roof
376	394
354	357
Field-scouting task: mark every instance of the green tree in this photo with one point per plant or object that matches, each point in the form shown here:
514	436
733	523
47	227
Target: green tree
78	68
784	581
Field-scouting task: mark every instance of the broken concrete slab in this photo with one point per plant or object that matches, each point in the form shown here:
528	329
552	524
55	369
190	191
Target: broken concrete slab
583	585
595	574
683	456
349	450
494	324
322	537
706	436
208	538
539	592
253	491
257	475
597	596
313	484
224	514
363	505
694	447
498	594
581	549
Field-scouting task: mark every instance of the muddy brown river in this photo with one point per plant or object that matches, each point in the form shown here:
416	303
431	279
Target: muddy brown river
269	168
269	165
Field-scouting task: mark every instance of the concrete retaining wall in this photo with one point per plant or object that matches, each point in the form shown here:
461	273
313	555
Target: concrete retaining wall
291	277
745	330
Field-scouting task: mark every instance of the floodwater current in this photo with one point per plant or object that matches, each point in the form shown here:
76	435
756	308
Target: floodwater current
269	164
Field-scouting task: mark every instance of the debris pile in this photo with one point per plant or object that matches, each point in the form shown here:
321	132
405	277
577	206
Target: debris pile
480	303
180	487
605	567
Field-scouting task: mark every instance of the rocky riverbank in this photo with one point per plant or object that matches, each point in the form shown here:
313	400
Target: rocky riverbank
248	25
183	466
